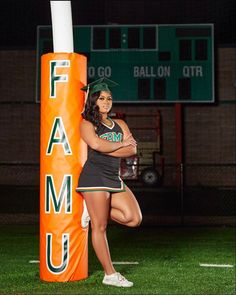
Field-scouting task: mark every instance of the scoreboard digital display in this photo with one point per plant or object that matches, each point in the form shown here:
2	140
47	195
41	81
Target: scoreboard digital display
151	63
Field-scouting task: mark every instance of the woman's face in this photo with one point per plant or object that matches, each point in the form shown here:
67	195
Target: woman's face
104	102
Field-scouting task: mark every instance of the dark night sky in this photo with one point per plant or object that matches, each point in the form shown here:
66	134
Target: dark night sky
19	18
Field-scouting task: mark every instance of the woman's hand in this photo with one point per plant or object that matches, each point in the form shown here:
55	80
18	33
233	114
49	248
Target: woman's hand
129	140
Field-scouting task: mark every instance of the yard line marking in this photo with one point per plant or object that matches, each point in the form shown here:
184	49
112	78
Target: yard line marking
215	265
115	262
34	261
125	262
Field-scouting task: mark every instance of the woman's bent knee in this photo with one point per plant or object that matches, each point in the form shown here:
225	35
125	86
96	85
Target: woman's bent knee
136	221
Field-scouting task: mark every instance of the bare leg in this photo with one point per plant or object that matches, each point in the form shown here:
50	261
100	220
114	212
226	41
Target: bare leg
125	208
98	204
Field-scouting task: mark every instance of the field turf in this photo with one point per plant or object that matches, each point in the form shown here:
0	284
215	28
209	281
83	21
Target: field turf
168	260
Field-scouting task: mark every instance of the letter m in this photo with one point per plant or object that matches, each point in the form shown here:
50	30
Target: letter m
65	194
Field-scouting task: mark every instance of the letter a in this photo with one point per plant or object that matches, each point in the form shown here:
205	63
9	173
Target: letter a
59	128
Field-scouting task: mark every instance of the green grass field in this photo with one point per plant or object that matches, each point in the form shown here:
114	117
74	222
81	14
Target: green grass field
168	261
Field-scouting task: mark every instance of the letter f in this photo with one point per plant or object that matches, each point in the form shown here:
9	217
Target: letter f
54	77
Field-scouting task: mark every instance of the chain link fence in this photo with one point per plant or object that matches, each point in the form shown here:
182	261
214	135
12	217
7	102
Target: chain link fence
206	194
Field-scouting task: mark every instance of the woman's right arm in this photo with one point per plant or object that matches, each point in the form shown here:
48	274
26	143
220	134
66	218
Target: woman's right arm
99	144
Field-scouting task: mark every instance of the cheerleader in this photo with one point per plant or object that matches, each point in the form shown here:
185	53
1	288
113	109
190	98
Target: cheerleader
104	192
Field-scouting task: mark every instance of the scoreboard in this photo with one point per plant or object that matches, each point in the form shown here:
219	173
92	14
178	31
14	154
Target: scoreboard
151	63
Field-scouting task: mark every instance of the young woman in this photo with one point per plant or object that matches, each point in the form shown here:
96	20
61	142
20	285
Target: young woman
104	192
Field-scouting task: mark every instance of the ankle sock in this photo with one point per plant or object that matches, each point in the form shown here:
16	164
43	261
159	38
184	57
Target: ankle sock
111	275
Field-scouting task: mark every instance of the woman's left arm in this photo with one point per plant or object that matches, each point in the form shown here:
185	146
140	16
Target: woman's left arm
127	151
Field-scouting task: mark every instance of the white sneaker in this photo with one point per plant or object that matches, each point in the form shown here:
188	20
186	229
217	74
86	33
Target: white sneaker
85	218
116	279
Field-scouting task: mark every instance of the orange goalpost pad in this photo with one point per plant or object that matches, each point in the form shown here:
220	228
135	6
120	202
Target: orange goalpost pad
63	243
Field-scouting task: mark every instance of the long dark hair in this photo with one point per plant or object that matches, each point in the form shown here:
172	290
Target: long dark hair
91	110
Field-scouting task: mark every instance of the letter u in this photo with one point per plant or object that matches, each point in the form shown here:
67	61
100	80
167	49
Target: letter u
64	254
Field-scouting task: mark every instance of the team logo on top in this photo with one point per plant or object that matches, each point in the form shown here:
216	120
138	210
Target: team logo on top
112	136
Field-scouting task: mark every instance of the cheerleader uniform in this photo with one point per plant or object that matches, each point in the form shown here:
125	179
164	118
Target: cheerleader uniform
101	171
